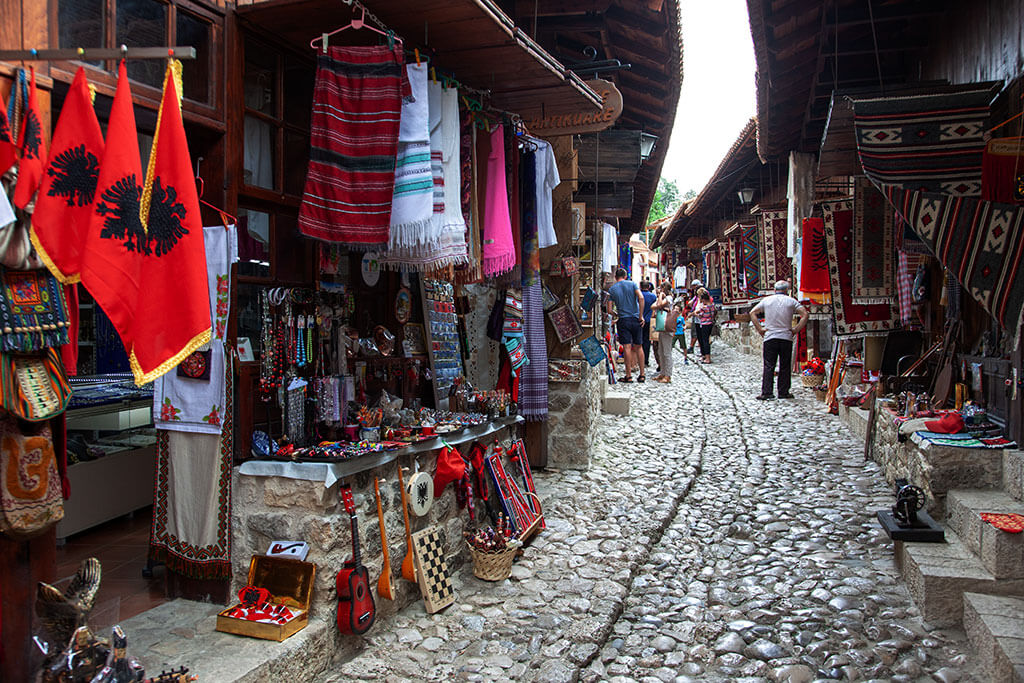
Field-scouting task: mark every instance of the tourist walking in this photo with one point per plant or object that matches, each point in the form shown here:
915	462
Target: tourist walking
778	332
666	311
647	290
629	307
682	303
695	287
705	321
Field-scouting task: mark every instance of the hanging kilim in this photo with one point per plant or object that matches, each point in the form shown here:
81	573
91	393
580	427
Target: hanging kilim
814	257
773	249
852	320
872	245
925	154
751	262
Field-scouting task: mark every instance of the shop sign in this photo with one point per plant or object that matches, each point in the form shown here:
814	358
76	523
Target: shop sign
583	122
370	268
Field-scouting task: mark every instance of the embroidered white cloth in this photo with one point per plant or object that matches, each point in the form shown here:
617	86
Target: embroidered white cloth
412	203
185	404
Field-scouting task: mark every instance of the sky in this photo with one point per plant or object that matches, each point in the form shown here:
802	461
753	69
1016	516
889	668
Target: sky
717	97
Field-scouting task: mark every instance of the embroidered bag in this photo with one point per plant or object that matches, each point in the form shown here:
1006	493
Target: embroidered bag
516	352
33	387
592	350
30	493
570	266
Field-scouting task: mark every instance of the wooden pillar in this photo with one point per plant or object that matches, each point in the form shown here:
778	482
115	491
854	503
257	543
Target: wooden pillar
22	565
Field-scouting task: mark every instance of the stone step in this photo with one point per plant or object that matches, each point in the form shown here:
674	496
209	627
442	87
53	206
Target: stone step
995	627
616	403
1013	473
1002	553
938	574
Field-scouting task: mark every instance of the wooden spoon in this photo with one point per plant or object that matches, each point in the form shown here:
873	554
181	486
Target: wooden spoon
408	568
384	587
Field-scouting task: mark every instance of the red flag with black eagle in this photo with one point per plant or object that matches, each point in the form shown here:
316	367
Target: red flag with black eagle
33	151
172	313
8	149
111	257
64	207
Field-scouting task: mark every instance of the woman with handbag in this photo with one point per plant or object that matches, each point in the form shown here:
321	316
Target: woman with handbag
705	314
666	315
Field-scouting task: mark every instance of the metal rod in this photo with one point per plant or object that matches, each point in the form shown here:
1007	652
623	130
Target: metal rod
88	54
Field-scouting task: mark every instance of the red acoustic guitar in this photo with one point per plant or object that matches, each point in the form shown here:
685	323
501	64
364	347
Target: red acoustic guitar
356	610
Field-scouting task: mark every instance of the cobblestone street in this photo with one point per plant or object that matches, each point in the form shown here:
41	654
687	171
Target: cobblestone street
715	538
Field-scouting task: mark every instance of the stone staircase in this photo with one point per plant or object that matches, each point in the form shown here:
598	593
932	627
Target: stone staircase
977	577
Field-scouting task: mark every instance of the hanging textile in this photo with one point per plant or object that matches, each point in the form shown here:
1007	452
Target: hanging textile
412	205
799	197
8	148
191	530
534	385
547	180
814	278
751	262
851	320
31	142
609	247
499	252
1002	171
904	283
33	311
471	271
925	153
626	259
452	249
353	144
872	261
773	249
514	276
193	398
69	351
65	203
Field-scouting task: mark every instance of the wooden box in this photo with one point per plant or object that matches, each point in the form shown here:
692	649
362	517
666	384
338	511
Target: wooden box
290	583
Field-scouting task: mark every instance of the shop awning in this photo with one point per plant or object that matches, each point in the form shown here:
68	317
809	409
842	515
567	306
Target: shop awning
471	39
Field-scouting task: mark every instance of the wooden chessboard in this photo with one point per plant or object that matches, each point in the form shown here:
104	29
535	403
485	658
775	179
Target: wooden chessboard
432	569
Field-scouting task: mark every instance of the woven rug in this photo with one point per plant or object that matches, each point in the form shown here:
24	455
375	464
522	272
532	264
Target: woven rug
872	245
852	320
353	142
750	280
925	154
777	265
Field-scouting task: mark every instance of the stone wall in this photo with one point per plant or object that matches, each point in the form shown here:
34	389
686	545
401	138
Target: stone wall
573	411
742	337
276	508
936	469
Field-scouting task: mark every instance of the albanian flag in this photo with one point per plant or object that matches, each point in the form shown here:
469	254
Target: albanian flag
814	258
111	258
30	142
8	149
64	206
172	315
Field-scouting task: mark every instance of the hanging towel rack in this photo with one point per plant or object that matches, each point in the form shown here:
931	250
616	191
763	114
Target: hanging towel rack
93	54
357	23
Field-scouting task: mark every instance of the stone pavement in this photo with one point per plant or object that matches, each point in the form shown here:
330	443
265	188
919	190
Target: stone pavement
715	538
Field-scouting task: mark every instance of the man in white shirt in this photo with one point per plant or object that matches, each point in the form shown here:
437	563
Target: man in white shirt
778	332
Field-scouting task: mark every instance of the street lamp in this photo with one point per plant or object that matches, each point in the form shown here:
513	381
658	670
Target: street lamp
746	195
647	145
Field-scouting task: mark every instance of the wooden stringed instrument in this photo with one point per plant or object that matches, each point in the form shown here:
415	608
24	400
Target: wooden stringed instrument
356	610
384	587
408	568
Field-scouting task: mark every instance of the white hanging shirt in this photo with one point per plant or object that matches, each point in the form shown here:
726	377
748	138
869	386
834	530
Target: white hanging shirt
547	181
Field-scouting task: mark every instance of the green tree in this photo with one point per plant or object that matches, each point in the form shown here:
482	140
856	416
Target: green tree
666	200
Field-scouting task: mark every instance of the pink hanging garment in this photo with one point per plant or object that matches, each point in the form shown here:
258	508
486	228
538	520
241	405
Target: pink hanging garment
499	250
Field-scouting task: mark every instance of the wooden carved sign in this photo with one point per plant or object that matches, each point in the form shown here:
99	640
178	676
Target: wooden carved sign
583	122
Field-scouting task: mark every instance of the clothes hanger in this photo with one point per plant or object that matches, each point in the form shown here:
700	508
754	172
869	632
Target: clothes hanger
225	217
356	23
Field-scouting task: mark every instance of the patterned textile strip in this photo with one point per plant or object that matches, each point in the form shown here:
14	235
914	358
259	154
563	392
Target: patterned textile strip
905	285
851	320
751	260
872	245
202	551
533	401
777	263
354	140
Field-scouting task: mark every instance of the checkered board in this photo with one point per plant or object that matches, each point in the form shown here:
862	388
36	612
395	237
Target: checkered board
432	569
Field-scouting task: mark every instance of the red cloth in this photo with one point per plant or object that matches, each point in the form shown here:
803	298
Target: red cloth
814	257
33	150
65	203
1012	523
8	148
172	314
1002	171
69	351
450	467
111	264
353	144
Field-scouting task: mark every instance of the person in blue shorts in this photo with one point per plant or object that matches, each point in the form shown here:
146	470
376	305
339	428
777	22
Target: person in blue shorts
625	295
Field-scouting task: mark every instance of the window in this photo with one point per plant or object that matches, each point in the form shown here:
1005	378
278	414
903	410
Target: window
144	23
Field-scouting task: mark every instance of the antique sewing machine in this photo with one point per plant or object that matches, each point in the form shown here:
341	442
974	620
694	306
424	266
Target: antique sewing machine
907	520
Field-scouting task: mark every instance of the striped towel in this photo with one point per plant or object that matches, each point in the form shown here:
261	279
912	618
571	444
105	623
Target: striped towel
353	142
412	206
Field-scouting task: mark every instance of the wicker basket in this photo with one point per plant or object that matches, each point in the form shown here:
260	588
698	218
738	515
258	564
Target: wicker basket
812	380
819	394
493	566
